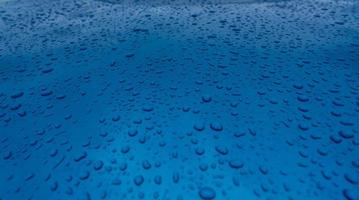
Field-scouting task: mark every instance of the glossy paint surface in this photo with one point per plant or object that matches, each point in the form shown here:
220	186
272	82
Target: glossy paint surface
179	99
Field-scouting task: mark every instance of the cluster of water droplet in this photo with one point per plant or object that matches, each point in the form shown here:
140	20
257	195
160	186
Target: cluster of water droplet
179	100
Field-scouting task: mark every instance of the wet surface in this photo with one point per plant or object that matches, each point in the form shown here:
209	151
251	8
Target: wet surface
179	99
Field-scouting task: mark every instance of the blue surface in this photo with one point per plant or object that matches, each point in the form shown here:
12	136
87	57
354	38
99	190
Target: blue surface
237	100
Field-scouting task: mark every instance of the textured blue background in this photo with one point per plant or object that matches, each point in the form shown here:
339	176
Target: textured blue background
237	100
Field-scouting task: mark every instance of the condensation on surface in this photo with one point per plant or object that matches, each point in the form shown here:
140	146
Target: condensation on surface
179	99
